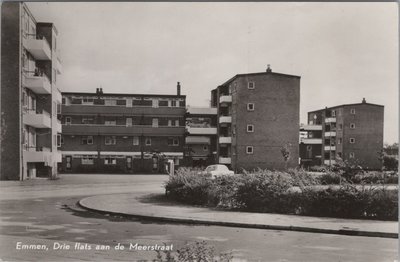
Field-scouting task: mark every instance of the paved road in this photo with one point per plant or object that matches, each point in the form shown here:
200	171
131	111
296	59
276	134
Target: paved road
44	212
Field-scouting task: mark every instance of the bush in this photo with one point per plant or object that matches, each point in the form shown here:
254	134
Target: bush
330	178
301	178
317	168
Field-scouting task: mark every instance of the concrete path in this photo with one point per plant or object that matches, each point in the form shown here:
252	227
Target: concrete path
134	205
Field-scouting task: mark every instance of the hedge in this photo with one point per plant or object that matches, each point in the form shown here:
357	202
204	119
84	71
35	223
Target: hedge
272	192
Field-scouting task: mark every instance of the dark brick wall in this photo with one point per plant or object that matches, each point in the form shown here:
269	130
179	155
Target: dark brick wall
368	134
10	91
275	120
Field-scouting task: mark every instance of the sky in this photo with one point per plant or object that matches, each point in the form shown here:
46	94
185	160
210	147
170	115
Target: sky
342	51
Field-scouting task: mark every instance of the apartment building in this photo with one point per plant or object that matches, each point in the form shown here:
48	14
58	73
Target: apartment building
258	116
352	132
201	136
30	98
122	133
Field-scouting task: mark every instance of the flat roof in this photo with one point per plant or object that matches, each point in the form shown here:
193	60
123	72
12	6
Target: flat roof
120	94
256	74
343	105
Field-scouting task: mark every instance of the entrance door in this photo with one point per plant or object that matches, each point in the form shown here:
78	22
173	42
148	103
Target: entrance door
129	163
68	160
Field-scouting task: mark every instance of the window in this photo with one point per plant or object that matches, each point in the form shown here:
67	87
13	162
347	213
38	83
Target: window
87	140
110	161
205	148
135	140
68	120
251	85
87	160
62	140
110	102
351	155
339	141
110	140
87	120
173	141
177	122
352	125
249	150
129	121
173	103
155	122
148	141
250	107
250	128
353	111
333	113
58	108
87	100
163	103
110	122
59	140
352	140
340	126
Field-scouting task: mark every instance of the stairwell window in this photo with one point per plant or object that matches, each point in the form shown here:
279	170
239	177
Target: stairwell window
250	128
249	150
352	140
353	111
250	107
352	126
251	85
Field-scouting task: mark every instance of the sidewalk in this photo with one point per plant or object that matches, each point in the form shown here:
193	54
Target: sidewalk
134	205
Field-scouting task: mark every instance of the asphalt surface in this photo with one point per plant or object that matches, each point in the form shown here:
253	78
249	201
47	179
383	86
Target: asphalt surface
45	212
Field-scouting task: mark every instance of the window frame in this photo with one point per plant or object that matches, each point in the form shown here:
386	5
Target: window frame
352	111
252	128
248	106
352	139
249	83
146	140
352	126
247	150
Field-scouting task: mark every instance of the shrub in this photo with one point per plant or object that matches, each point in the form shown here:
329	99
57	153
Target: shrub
330	178
301	178
317	168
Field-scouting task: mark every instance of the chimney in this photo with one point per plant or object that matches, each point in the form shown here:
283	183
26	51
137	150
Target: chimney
101	91
269	70
178	89
364	101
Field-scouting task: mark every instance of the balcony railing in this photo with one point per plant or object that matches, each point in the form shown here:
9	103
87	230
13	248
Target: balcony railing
329	148
38	47
311	141
37	82
225	160
202	110
330	120
225	140
225	99
330	133
329	162
118	110
135	130
202	130
37	119
311	128
225	119
37	154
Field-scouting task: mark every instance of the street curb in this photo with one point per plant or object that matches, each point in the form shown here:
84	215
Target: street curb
346	232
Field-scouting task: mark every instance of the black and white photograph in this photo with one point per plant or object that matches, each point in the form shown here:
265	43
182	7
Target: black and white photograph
199	131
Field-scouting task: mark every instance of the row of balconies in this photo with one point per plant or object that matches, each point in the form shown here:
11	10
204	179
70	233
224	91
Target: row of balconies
89	129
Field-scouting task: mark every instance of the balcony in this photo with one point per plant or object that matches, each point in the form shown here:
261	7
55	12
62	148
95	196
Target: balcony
38	47
38	154
225	140
202	110
331	133
202	130
200	140
37	119
122	130
311	128
311	141
39	84
225	160
225	120
329	162
225	99
330	120
329	148
118	110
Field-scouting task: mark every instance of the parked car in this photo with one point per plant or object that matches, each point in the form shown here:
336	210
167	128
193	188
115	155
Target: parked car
218	170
